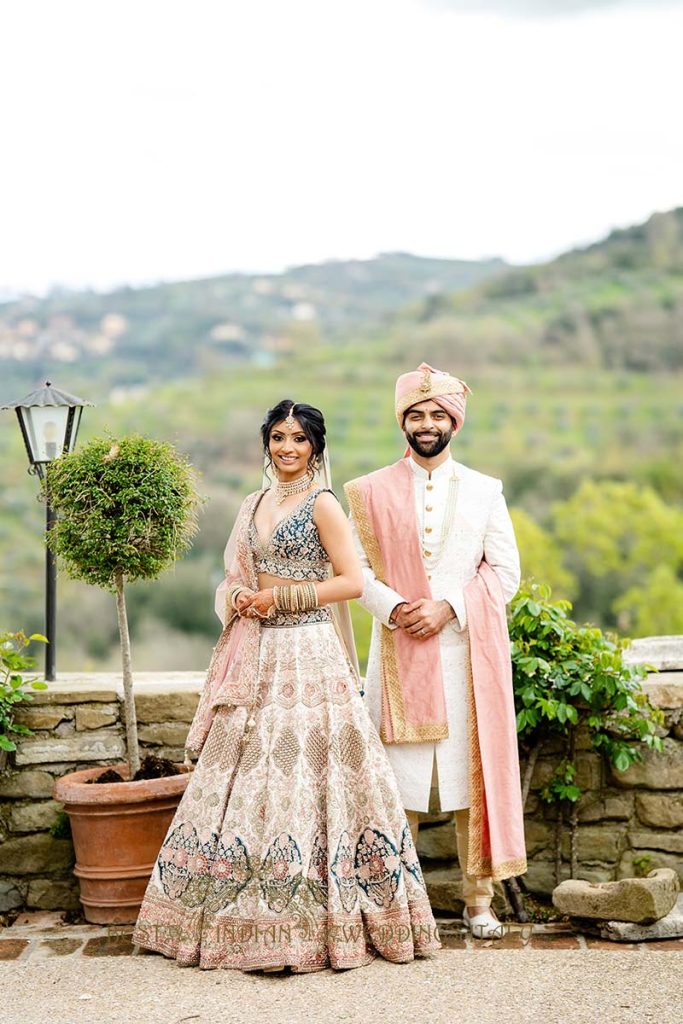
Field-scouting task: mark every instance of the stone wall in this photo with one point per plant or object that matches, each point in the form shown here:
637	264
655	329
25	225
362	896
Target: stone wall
628	822
77	723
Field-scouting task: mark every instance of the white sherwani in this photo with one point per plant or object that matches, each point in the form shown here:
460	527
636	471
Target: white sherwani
479	527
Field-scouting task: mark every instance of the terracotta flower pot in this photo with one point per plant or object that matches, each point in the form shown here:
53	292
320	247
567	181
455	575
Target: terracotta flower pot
117	829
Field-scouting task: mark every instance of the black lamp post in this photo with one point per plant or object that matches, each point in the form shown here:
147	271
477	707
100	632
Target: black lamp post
49	421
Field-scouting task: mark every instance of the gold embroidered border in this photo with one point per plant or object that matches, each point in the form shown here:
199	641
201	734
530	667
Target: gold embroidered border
402	732
367	537
477	864
437	387
393	696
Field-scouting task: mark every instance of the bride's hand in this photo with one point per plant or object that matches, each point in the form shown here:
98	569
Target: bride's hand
242	600
259	604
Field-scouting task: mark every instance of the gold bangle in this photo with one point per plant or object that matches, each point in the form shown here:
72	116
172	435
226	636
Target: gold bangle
233	590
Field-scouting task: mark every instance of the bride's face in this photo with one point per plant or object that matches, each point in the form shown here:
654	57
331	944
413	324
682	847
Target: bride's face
289	449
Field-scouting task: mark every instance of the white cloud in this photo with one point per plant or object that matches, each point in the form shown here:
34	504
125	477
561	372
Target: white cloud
162	140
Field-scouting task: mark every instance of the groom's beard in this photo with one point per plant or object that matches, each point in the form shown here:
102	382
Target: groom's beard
428	449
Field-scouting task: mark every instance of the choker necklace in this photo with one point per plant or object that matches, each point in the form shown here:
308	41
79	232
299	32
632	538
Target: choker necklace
286	489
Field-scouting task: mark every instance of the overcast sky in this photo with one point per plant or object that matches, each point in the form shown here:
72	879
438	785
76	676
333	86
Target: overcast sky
148	140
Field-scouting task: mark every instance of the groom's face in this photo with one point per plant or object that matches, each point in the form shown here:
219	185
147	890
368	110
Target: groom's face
428	428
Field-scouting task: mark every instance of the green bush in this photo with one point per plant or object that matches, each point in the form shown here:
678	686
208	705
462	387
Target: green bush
568	677
14	689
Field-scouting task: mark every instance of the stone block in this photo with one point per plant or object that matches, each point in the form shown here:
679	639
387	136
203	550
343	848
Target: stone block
665	690
33	817
86	746
64	729
177	706
670	841
60	694
658	770
543	772
175	754
29	782
660	810
53	894
641	900
44	717
594	873
582	739
96	717
11	895
539	838
605	805
444	888
588	770
36	854
599	844
664	653
437	842
172	734
540	876
669	927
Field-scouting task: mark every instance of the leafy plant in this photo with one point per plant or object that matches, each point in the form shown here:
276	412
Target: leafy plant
14	688
568	678
126	509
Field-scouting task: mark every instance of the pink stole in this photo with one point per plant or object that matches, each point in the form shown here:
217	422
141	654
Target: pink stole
413	702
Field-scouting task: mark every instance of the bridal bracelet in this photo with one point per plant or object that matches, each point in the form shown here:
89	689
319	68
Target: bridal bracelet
231	594
296	597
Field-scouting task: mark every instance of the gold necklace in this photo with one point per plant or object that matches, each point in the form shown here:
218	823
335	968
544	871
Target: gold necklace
287	488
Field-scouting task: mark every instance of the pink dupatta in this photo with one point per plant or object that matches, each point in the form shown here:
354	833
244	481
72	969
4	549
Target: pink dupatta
232	676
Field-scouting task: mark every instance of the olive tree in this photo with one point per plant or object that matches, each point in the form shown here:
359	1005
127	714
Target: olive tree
126	509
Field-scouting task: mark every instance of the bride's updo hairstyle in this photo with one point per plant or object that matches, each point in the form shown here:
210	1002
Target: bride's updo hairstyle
312	425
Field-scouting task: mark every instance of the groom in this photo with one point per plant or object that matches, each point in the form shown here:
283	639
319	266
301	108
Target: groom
440	562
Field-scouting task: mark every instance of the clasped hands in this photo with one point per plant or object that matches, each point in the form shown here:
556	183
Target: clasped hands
422	618
255	603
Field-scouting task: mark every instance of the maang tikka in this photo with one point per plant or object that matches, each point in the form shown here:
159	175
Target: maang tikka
289	420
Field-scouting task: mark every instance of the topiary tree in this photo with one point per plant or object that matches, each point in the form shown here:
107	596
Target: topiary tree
568	677
126	510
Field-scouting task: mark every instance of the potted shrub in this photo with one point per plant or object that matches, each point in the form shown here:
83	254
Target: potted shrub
125	510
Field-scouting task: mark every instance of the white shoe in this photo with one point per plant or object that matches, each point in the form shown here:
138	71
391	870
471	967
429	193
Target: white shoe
483	925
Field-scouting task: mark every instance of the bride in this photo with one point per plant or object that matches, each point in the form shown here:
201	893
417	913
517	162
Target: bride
290	847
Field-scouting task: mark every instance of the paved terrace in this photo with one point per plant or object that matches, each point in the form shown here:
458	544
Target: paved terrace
86	974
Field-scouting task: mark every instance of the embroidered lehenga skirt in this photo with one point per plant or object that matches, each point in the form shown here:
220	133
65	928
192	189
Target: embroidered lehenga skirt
290	847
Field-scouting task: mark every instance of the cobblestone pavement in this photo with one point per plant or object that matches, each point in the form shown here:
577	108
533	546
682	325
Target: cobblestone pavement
52	973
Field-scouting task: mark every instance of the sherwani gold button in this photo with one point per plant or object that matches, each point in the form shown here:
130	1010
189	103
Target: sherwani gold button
427	554
430	487
428	508
428	529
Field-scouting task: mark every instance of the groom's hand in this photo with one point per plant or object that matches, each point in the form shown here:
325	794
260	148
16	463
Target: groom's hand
425	618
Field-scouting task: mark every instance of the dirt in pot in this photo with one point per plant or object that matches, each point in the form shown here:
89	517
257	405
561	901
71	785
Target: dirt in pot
151	767
109	776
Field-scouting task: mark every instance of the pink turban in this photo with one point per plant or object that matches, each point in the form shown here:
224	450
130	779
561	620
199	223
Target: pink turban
426	384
